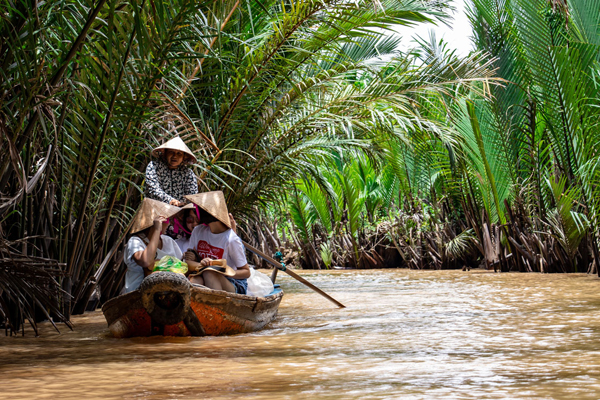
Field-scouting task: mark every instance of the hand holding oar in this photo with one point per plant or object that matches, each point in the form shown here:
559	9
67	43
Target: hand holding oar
292	274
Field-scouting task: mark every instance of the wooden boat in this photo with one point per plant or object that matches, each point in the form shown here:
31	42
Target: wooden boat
167	304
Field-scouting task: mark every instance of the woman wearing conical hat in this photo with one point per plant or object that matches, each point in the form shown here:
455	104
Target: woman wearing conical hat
149	242
216	240
169	177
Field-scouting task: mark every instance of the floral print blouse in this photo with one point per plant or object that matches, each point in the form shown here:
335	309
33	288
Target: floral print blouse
166	184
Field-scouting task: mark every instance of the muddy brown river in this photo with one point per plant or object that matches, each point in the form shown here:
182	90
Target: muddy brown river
404	335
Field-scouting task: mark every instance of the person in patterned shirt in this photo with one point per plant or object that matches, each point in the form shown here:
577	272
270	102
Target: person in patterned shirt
169	177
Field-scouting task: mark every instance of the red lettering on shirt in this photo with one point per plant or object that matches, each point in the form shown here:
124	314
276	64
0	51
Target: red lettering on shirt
205	250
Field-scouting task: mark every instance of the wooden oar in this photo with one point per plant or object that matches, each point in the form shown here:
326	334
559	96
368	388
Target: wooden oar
292	274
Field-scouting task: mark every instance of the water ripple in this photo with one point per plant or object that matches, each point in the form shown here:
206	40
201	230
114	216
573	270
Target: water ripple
404	334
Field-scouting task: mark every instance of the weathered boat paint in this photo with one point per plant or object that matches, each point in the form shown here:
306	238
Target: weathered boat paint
219	312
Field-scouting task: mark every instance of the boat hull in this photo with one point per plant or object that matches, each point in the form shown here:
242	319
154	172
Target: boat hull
217	312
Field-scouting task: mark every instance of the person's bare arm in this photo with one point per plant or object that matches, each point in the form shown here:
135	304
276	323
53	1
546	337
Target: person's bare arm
242	272
193	265
190	259
145	258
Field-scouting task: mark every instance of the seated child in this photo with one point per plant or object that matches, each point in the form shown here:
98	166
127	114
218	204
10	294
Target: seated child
184	223
148	243
216	240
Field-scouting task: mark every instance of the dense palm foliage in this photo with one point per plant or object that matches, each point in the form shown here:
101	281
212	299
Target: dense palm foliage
512	176
261	90
541	127
325	137
549	115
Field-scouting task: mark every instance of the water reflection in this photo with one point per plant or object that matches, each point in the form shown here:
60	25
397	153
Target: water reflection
404	334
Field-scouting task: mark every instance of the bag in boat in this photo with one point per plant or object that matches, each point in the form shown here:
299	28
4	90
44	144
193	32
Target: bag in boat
170	264
259	284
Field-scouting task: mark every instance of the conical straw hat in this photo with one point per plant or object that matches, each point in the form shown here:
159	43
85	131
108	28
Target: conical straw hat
219	266
149	211
213	203
175	144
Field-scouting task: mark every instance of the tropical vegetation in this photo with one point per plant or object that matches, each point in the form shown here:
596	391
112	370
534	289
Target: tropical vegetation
328	140
505	178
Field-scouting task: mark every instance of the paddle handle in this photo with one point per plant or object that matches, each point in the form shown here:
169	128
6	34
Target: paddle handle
292	274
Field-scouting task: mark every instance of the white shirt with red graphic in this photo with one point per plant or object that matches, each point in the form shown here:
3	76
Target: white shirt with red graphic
216	246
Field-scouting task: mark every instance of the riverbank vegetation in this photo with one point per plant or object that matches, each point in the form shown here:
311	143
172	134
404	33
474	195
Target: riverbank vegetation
507	180
330	143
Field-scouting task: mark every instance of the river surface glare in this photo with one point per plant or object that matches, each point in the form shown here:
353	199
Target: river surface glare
404	335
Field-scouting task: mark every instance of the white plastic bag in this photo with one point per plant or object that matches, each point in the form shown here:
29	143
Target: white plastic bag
259	284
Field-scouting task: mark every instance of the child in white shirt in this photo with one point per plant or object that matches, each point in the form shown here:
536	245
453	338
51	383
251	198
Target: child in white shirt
216	240
149	243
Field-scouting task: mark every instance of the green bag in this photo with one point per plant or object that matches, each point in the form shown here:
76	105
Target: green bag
171	264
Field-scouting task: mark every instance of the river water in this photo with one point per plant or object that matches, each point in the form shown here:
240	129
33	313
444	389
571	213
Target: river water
404	335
